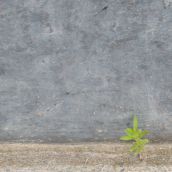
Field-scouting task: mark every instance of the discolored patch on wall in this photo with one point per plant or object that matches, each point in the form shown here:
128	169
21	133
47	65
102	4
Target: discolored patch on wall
167	3
2	71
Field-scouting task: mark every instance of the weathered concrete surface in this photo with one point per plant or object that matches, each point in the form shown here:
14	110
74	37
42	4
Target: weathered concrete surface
83	158
75	70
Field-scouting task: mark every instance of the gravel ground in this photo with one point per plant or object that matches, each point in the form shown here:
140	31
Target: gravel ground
89	157
98	168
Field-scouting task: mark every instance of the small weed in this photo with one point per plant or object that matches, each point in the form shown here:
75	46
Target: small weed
136	135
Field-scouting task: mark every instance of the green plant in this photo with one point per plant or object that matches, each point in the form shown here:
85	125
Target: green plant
136	135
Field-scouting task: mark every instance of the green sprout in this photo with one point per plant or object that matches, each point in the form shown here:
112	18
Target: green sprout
136	135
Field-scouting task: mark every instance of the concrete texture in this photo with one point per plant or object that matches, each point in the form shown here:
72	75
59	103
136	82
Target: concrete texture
75	70
83	158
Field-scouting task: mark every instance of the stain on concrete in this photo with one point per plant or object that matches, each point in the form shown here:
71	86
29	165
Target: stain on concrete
167	3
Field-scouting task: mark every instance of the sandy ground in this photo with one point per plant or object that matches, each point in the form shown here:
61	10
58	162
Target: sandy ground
88	157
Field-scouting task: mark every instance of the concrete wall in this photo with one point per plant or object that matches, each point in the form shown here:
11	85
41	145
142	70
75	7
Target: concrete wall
76	70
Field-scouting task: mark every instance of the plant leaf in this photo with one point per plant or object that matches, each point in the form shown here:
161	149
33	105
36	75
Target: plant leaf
143	133
135	123
129	131
137	147
126	138
145	141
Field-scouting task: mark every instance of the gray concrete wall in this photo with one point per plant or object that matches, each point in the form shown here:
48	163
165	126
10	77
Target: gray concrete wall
76	70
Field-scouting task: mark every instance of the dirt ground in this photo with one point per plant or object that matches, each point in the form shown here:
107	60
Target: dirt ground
86	157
